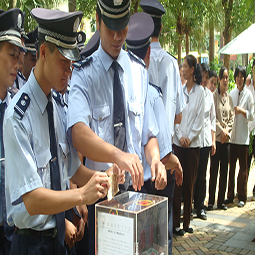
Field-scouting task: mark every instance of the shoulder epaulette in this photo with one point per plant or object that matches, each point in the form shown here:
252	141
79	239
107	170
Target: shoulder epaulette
82	62
136	58
59	98
172	55
22	105
157	88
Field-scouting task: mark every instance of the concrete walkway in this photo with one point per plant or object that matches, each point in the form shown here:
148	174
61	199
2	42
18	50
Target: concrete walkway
224	232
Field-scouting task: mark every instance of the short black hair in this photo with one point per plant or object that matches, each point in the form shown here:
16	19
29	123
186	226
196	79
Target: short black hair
157	27
192	62
51	47
212	73
242	70
205	67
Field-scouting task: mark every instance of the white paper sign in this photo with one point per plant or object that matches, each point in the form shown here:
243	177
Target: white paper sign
115	235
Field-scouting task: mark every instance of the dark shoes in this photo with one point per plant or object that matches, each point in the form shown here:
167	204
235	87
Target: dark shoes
189	230
179	232
201	214
209	207
222	207
228	201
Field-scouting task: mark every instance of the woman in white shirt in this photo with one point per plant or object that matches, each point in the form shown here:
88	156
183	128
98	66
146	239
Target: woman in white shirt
239	143
208	145
187	141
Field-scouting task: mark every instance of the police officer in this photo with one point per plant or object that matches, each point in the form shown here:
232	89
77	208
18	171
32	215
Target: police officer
91	46
141	27
81	39
111	89
10	44
39	160
30	55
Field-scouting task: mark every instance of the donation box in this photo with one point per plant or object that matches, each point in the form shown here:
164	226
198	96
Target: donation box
132	223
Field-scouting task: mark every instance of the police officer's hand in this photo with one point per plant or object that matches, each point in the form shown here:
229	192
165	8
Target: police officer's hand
158	174
80	225
83	210
96	188
178	174
114	169
70	233
131	163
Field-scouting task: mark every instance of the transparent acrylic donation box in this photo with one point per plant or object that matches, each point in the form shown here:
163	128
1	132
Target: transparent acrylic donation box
132	223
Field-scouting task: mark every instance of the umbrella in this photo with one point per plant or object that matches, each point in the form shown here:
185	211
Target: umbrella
242	44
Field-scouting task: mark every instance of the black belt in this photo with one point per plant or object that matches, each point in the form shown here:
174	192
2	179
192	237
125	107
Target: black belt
31	232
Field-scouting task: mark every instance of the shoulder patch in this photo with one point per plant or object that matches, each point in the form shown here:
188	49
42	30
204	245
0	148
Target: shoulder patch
82	62
136	58
157	88
22	105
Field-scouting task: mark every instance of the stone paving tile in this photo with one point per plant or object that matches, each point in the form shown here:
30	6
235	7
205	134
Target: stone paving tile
244	252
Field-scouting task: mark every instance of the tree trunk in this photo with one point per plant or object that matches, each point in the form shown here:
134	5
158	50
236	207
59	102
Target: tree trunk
72	5
245	60
211	41
180	50
136	4
12	4
228	7
187	44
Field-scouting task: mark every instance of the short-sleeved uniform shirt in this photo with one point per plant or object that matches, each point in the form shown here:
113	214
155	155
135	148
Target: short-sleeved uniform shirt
91	101
164	135
164	73
27	155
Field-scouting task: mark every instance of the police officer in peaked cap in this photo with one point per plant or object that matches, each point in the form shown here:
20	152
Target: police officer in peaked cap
39	158
10	45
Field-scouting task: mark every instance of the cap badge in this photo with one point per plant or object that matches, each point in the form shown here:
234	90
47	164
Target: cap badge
19	21
117	2
79	38
76	25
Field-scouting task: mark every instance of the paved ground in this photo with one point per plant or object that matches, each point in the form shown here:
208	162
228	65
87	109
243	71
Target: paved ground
224	232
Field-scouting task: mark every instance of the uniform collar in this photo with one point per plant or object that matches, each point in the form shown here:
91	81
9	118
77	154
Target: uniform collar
107	60
7	99
155	45
37	92
191	91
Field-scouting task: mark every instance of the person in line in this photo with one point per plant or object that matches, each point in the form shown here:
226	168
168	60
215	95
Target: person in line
140	29
187	141
116	120
37	150
183	81
208	145
10	45
224	122
239	143
213	79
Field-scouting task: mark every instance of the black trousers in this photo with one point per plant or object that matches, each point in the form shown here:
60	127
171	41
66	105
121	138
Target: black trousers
221	157
200	184
5	244
34	245
238	152
168	192
189	159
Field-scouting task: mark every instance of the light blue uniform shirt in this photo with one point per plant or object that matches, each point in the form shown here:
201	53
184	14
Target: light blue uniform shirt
27	155
164	73
7	101
164	136
91	101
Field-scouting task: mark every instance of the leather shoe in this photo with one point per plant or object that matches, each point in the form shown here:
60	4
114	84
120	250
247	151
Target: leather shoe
201	214
179	232
209	207
189	230
228	201
223	207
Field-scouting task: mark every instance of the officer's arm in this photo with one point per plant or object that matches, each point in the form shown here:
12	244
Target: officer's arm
96	149
158	171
